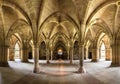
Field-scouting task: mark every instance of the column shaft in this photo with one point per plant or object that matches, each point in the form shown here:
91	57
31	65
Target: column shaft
11	54
108	54
51	55
116	53
36	60
95	57
4	55
86	53
47	55
71	55
25	54
81	60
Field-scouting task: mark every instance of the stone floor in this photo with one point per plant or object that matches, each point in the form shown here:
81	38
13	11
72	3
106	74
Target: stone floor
60	72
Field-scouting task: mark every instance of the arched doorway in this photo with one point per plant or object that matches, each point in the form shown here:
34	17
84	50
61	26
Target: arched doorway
102	51
104	48
17	52
15	48
60	51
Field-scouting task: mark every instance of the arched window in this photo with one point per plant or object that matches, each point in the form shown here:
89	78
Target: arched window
102	51
17	51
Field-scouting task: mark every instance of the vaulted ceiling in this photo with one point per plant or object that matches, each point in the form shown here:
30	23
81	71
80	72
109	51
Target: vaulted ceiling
58	20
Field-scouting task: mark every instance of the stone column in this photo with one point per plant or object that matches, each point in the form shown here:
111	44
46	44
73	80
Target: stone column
115	53
47	55
11	54
68	54
71	55
51	54
36	59
47	50
95	55
81	59
86	53
25	53
33	52
4	55
108	54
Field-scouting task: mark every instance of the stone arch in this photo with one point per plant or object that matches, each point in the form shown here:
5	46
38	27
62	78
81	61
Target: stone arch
57	35
59	13
102	24
104	38
16	7
98	8
17	49
15	38
60	45
14	26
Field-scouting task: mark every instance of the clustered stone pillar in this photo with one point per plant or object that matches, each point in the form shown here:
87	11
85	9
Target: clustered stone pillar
25	53
11	54
115	53
36	59
51	54
68	51
71	55
81	60
33	52
108	54
86	53
47	53
4	55
95	57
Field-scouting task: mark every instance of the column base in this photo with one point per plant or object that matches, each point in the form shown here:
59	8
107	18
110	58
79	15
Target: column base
71	62
26	61
85	58
81	70
11	60
36	70
114	65
68	58
107	59
48	62
94	60
2	64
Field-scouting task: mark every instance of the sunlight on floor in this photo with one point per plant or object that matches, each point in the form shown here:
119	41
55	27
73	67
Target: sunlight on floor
59	72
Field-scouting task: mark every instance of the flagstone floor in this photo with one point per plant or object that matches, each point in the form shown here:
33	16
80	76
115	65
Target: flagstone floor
59	72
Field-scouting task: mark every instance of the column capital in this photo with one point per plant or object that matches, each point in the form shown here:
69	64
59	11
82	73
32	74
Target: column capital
81	43
25	46
36	45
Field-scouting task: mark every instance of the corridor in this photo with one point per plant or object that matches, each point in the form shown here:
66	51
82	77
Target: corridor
59	72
